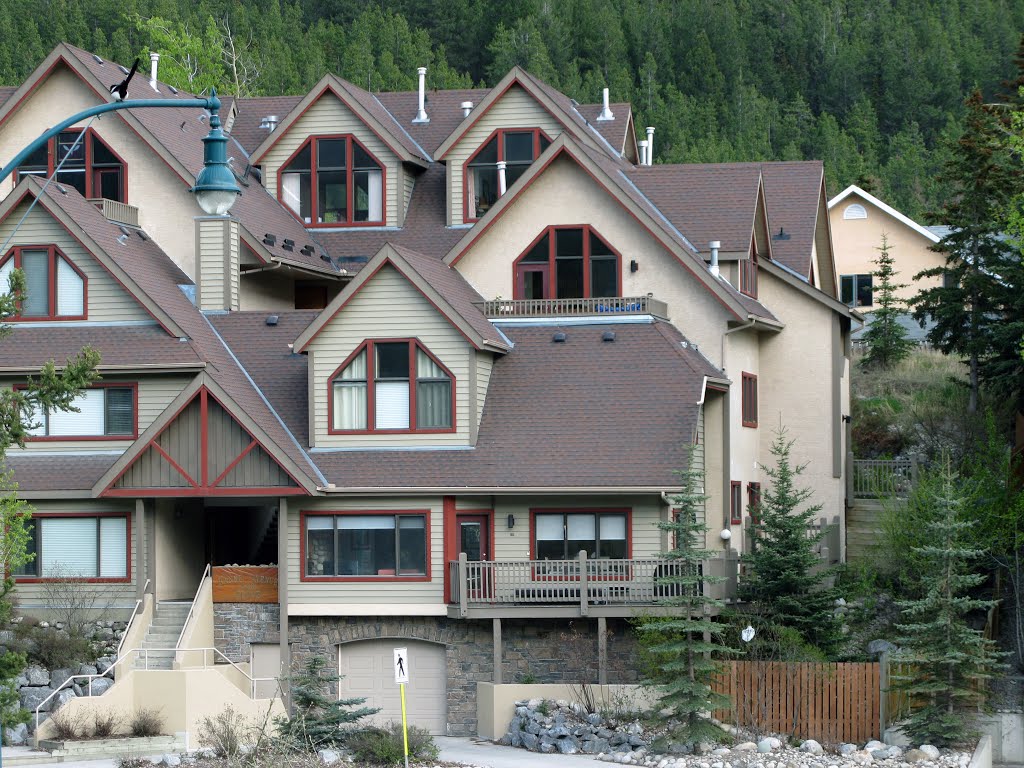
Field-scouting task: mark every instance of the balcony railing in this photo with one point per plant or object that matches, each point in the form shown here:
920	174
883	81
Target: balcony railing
628	584
121	213
883	478
599	307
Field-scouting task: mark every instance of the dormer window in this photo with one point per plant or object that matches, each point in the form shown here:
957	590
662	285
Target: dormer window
333	181
517	148
392	386
55	289
568	263
89	165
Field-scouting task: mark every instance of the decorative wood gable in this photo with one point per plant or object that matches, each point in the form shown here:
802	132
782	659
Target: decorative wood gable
203	451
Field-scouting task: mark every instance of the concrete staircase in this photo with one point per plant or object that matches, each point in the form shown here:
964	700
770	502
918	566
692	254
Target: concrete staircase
168	619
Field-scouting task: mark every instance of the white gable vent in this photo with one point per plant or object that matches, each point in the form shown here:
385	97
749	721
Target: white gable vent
855	211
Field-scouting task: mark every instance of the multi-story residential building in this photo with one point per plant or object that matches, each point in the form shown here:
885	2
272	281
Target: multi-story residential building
428	385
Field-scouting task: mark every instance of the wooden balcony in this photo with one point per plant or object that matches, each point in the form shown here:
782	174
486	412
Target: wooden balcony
577	587
595	307
882	478
119	213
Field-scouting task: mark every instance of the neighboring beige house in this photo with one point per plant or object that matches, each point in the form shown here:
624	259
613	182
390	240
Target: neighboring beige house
859	221
425	363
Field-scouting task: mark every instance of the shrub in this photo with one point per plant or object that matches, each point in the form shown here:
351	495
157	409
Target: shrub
105	723
58	650
384	745
146	721
67	725
225	733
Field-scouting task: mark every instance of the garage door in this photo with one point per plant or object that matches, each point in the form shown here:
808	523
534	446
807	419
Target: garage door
365	667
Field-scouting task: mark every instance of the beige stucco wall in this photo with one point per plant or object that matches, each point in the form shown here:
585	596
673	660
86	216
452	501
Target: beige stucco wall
198	630
179	554
166	207
856	243
743	355
565	195
716	515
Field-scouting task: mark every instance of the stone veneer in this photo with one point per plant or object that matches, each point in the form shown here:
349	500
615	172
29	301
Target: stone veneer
237	625
542	651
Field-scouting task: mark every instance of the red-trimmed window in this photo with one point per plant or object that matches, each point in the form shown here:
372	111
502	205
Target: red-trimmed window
55	289
561	535
89	547
518	148
392	386
748	274
367	545
568	263
102	412
333	181
735	502
754	501
89	165
749	392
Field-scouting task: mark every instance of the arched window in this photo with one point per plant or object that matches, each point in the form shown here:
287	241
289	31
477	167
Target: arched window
55	289
855	211
518	148
392	385
333	180
89	165
568	263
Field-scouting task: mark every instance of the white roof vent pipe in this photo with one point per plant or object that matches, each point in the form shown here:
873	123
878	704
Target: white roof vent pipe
467	107
643	151
502	184
269	123
154	61
714	245
606	112
421	114
650	145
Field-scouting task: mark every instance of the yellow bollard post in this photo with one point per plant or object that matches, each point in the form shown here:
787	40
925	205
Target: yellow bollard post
405	727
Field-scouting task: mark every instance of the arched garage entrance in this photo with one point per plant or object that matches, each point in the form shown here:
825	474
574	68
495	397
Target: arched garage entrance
365	667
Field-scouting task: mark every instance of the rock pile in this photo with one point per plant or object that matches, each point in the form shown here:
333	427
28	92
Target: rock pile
558	726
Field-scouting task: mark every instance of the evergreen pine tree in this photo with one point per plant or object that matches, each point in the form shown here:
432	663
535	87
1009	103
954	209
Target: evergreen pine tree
319	720
886	337
946	660
784	581
683	645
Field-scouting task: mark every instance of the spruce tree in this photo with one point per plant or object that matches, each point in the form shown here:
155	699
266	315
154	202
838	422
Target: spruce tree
886	337
682	646
784	580
945	660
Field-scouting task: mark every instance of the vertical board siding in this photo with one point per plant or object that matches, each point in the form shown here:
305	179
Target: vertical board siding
107	299
516	109
484	366
832	703
408	184
384	590
329	116
389	307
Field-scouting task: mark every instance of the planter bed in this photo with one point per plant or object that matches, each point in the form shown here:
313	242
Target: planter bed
114	746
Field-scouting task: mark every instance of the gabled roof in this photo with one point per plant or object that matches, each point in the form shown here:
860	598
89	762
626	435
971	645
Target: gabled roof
794	191
557	104
853	189
441	285
366	107
618	132
444	110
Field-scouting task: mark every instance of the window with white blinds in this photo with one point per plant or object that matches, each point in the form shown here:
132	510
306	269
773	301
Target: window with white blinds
99	412
70	290
562	535
78	548
54	289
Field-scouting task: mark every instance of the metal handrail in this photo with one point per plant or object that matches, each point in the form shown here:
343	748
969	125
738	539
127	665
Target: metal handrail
135	612
192	607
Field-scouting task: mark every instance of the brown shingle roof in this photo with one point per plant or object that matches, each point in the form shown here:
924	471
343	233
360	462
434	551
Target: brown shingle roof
613	131
443	109
792	193
246	130
29	347
57	471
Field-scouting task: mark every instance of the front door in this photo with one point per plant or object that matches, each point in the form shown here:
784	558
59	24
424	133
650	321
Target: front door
475	542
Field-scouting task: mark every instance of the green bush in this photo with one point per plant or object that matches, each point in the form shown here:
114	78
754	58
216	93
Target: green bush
58	650
384	745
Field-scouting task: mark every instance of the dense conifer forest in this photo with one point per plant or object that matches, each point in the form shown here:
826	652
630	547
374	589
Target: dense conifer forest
872	87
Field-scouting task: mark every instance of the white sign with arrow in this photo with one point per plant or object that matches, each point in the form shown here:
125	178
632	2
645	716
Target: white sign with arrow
401	666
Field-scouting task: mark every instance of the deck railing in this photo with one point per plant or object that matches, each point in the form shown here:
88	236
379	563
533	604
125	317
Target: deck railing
611	306
580	581
121	213
883	478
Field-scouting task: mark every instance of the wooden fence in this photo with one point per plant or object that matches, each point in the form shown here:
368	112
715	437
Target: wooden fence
831	703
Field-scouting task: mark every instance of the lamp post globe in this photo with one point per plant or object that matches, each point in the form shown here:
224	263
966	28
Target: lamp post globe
215	188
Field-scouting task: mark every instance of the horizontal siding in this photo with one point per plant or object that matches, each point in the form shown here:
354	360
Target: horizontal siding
107	299
211	266
32	598
516	109
388	306
367	593
330	116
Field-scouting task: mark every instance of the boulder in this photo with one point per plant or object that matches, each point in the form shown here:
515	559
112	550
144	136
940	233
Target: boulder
847	749
877	647
873	745
932	752
16	736
171	760
764	745
43	717
36	675
328	756
530	741
62	698
812	747
99	686
746	746
914	756
59	676
547	747
88	669
103	664
567	746
862	757
32	696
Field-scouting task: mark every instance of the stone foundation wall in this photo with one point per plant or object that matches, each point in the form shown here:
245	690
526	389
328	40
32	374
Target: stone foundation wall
544	651
237	625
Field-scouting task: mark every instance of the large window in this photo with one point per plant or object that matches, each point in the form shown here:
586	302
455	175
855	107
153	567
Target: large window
749	405
563	535
568	263
517	148
333	180
106	411
366	545
89	165
392	385
55	289
855	290
735	502
78	547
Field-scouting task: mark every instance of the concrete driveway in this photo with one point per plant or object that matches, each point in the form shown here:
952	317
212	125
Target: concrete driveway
484	754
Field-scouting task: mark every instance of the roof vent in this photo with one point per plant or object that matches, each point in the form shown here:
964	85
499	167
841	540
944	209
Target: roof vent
272	319
122	238
606	112
154	63
269	122
325	257
288	245
559	337
61	189
782	235
608	336
201	117
142	235
124	70
97	59
306	250
466	107
421	113
173	89
125	231
270	239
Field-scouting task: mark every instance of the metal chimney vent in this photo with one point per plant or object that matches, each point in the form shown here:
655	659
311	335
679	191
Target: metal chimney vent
269	123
